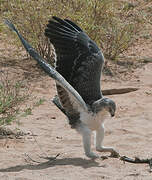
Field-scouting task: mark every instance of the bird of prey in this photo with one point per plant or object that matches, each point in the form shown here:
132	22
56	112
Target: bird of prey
77	73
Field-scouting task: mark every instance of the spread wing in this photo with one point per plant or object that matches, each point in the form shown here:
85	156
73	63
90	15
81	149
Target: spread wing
79	60
71	93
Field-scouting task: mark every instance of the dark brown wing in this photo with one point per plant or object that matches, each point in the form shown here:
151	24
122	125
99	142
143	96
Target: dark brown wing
79	60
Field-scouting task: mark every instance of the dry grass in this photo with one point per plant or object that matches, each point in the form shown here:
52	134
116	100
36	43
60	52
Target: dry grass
11	95
112	24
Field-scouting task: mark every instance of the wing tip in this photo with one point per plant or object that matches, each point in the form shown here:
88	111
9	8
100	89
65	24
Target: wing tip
66	23
10	25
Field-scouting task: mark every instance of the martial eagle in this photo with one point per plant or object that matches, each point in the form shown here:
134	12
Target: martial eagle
77	74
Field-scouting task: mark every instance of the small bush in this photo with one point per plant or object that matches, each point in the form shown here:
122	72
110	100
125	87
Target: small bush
10	98
112	24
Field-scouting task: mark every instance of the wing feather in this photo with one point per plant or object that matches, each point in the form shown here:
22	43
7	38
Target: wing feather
68	89
79	60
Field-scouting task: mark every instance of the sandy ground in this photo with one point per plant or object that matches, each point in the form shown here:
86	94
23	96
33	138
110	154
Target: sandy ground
130	132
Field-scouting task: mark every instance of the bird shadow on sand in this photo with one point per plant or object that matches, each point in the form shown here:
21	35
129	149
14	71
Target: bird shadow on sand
84	163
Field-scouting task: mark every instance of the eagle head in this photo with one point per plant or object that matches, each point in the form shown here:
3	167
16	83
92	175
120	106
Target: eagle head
104	104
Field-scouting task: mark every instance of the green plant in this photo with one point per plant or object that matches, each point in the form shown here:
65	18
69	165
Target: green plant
39	102
27	111
11	96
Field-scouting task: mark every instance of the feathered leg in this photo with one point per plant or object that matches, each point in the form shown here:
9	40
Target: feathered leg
86	136
99	140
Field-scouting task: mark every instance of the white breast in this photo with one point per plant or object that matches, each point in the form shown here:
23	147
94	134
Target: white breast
94	121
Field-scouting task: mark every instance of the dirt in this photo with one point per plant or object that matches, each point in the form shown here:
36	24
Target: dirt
47	133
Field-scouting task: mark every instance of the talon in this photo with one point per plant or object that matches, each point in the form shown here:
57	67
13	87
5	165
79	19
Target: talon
114	154
103	157
92	155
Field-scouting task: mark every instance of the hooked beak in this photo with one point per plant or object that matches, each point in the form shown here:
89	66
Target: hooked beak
112	114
